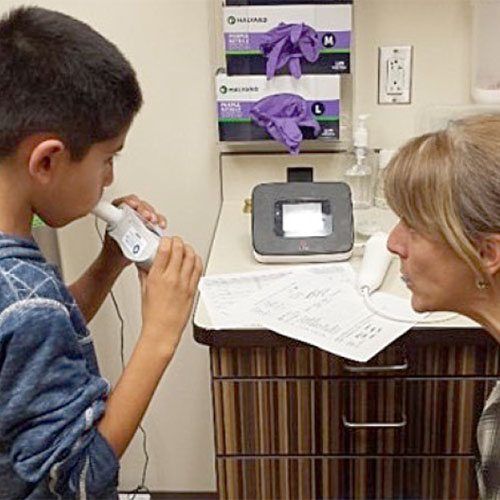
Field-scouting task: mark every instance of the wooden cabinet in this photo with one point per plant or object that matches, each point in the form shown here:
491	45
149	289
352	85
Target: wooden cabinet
292	421
295	422
418	478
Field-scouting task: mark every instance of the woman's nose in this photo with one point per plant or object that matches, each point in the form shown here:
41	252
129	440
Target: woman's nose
396	242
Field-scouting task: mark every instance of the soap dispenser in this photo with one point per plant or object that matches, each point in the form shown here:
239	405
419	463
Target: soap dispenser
384	157
360	172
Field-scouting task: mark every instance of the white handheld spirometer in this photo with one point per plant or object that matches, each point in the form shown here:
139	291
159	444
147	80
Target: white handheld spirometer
374	266
137	239
376	261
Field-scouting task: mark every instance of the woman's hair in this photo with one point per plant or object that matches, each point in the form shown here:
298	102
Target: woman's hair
448	183
59	76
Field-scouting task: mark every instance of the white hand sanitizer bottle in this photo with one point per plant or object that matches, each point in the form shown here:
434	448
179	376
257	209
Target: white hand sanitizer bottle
360	174
384	157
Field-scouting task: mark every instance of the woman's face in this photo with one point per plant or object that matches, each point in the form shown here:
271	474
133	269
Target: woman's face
438	279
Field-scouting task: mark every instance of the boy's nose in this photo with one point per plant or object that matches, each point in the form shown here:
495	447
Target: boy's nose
396	241
108	178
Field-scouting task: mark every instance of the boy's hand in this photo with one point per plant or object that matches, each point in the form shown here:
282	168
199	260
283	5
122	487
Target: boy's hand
145	210
110	251
168	291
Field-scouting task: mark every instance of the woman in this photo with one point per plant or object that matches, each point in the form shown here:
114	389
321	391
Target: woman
445	187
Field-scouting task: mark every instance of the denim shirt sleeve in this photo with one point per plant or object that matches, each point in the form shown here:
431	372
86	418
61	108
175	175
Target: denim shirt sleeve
50	402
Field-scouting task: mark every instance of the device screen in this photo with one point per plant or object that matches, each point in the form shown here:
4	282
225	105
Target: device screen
304	219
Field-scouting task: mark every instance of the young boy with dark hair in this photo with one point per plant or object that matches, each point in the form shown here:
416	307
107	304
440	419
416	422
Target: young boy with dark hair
67	100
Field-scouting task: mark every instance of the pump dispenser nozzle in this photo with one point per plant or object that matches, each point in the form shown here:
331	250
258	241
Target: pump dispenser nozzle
361	132
359	174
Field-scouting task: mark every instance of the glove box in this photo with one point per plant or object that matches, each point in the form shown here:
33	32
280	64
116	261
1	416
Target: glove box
252	108
284	2
287	39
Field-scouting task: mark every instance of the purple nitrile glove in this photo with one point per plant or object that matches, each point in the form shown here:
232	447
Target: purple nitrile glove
283	115
288	44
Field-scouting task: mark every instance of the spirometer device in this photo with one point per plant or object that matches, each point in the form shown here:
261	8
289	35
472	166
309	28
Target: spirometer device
302	222
138	239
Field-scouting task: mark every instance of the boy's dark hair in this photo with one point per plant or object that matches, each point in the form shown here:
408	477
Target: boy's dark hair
59	76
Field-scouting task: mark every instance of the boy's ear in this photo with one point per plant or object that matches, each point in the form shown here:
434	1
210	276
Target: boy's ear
43	159
489	250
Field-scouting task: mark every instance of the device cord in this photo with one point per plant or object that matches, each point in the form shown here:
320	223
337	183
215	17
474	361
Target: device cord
373	308
141	488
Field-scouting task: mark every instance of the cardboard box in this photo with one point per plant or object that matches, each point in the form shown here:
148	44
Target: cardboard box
284	2
245	27
237	94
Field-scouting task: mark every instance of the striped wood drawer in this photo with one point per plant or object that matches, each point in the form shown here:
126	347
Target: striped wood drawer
402	358
399	416
374	478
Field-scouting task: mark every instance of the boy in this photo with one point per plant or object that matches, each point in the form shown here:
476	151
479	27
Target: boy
67	100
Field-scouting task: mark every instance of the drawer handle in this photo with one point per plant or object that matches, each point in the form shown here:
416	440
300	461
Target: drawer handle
382	425
386	368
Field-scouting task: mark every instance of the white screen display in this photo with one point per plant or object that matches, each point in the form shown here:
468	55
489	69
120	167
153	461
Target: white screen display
303	220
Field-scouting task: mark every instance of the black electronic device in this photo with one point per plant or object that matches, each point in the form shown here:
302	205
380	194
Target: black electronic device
302	222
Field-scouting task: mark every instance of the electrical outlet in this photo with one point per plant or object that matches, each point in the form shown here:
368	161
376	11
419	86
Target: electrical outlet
394	75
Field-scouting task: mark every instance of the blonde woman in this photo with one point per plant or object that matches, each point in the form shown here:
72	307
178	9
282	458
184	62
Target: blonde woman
445	187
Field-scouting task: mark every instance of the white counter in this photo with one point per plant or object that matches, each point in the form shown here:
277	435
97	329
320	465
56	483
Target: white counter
231	252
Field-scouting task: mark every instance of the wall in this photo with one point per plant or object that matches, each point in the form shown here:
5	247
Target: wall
171	159
439	31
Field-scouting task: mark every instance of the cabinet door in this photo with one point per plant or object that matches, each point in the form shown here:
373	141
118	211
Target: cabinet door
347	478
428	354
348	416
406	416
269	417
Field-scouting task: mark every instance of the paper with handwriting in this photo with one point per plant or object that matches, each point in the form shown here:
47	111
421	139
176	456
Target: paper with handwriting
318	305
334	318
221	292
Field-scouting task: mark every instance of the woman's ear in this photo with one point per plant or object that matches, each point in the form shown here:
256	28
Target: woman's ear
489	250
44	158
